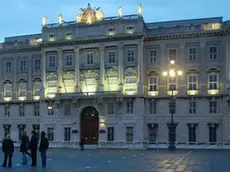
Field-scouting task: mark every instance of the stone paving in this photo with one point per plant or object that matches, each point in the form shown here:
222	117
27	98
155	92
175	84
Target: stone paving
71	160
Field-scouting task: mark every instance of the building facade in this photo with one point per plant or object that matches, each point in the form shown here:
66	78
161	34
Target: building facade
101	79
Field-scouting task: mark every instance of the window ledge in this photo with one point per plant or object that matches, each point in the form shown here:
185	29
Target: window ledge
153	93
192	92
213	92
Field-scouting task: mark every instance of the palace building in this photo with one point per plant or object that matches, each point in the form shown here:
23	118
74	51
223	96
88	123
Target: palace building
103	79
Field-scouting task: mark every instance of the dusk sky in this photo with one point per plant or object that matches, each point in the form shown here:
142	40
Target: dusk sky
20	17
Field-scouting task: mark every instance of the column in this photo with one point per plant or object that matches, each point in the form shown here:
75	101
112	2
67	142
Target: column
202	71
77	69
29	81
121	65
181	66
140	69
163	67
15	83
43	75
59	71
102	67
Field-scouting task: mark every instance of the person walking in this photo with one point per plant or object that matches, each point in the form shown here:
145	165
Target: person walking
8	150
33	148
24	147
44	144
82	142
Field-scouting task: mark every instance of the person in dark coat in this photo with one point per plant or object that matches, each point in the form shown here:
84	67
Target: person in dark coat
8	150
44	144
24	147
33	148
82	142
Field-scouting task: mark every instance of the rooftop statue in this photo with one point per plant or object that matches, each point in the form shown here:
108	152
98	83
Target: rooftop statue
139	9
60	18
89	15
120	11
44	21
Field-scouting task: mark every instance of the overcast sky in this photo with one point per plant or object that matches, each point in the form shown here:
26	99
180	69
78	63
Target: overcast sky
19	17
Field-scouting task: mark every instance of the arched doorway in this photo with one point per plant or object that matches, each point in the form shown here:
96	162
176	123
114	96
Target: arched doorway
90	125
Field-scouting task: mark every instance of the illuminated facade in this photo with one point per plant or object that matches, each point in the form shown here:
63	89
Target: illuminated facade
112	69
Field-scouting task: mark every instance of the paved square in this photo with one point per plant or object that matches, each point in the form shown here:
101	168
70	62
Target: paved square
71	160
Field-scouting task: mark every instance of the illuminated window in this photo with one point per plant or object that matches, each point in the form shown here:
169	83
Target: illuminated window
90	58
8	67
129	134
152	107
152	56
213	53
36	87
172	54
22	89
67	134
192	106
50	133
213	81
111	57
110	134
37	64
153	83
68	60
22	65
21	110
8	89
192	54
52	61
192	82
130	55
213	106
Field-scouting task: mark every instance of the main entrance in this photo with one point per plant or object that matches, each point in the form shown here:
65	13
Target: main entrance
90	125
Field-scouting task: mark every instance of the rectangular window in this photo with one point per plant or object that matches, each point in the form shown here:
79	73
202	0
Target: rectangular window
212	134
6	129
192	82
152	107
172	54
152	133
52	61
152	56
213	106
130	106
50	111
36	128
22	65
8	67
192	106
7	110
212	53
69	60
21	129
112	57
50	133
37	64
192	54
67	134
21	110
37	88
130	55
192	133
129	134
22	89
110	134
67	109
213	81
110	108
172	84
90	58
36	109
8	89
153	84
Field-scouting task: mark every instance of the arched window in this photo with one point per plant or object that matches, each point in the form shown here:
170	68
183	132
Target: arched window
130	77
192	80
69	82
52	83
22	88
213	78
8	88
153	81
112	77
37	85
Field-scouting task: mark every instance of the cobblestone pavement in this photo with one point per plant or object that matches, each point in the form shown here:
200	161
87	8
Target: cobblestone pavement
67	160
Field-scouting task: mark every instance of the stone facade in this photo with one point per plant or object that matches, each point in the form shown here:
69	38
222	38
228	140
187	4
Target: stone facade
116	66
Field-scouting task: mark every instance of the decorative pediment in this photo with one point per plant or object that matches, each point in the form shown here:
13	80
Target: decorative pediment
89	75
111	73
68	76
51	77
131	72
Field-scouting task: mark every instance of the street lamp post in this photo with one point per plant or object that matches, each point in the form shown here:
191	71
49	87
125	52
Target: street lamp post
172	74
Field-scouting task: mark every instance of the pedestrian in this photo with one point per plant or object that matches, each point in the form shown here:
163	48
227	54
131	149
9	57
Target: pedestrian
8	150
33	148
24	147
44	144
82	142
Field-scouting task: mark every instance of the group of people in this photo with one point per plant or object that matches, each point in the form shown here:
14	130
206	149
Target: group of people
26	144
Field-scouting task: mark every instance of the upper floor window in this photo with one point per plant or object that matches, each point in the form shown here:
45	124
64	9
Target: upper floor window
172	84
37	87
130	28
192	54
111	57
213	53
111	29
69	33
130	55
213	79
192	82
172	54
22	89
8	89
69	60
22	65
52	61
37	64
8	67
152	56
153	83
90	58
52	35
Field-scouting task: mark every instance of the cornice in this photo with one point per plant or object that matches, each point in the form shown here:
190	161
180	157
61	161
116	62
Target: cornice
21	49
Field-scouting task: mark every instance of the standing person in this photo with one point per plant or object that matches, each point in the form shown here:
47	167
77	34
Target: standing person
8	150
33	148
82	142
24	147
44	144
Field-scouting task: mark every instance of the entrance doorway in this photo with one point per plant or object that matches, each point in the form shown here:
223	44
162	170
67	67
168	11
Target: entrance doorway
90	125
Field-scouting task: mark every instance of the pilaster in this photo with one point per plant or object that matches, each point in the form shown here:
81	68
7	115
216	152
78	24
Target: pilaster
102	67
59	71
77	69
121	65
181	66
140	69
15	83
43	76
202	76
29	81
162	80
